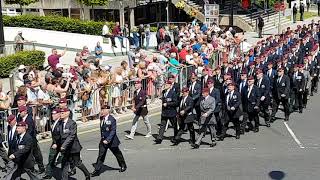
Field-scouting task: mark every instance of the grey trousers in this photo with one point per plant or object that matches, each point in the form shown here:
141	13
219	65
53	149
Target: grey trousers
135	124
203	131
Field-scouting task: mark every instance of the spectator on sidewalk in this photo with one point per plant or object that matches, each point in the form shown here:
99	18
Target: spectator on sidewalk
318	3
148	36
106	33
308	5
19	40
98	51
301	11
294	12
54	58
142	35
116	32
260	25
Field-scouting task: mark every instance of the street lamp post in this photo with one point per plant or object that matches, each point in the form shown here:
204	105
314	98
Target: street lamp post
2	43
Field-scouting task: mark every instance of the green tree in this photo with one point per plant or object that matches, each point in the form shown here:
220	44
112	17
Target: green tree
21	3
92	3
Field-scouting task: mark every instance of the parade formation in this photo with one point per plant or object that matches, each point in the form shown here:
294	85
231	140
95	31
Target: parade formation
247	90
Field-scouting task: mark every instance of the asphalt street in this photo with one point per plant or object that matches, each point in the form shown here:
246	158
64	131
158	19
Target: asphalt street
283	151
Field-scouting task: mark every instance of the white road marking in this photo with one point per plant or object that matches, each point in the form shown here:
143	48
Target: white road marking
92	149
294	136
161	149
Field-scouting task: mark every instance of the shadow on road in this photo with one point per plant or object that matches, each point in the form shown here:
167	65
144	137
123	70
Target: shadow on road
277	175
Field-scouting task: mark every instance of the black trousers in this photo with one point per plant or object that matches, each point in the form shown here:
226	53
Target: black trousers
75	158
220	123
305	97
113	42
16	172
235	122
297	100
253	117
37	155
244	121
260	32
191	131
275	106
164	120
4	155
314	84
53	153
264	109
103	148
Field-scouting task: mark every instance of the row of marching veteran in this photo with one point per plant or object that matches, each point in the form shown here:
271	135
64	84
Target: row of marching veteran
281	69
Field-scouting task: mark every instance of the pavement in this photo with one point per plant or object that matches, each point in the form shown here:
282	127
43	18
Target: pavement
286	150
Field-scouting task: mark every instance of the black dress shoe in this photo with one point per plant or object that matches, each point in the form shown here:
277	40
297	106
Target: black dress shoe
195	146
123	169
237	136
256	130
41	171
286	119
158	141
300	111
88	178
213	144
72	172
47	177
95	173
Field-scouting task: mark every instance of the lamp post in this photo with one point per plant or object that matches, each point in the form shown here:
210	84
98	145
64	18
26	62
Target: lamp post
2	43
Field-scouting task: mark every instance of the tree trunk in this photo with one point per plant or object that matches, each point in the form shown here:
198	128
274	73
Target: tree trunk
21	9
92	13
41	12
82	12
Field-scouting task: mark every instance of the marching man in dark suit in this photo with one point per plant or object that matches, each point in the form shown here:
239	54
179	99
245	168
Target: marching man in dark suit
169	110
233	110
56	143
195	93
140	109
281	92
25	116
70	145
22	155
207	120
263	84
186	117
109	140
252	101
12	133
215	93
297	87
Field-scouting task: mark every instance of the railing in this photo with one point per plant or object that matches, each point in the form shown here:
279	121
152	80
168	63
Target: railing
11	47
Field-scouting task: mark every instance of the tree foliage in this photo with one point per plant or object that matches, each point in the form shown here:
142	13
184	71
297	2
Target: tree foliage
21	2
94	2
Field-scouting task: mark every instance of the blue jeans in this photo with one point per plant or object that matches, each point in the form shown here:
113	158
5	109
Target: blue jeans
147	42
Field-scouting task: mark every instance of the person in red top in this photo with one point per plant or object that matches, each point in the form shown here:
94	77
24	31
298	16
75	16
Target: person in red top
54	58
183	53
174	49
116	32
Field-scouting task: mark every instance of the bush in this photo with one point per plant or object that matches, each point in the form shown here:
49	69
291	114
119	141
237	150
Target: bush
27	58
56	23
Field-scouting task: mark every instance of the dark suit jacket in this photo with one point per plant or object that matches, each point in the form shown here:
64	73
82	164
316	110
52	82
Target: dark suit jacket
297	82
253	99
215	93
69	137
235	101
11	142
218	81
196	93
282	87
31	126
23	152
56	134
140	103
204	83
187	107
108	131
264	89
172	102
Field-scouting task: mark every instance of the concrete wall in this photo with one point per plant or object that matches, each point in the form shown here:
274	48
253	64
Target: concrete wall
60	39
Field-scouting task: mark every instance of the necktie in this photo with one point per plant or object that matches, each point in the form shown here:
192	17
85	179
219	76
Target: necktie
259	82
18	139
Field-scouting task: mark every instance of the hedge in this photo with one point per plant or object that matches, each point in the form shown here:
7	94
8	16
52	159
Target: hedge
56	23
27	58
